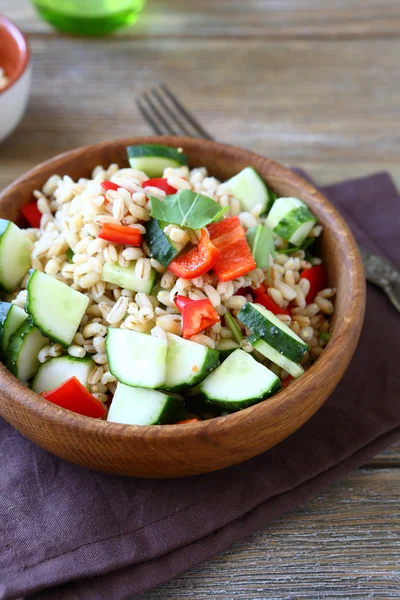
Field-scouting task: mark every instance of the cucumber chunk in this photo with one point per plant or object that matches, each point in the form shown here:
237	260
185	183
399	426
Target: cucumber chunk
239	381
225	347
11	317
55	308
265	325
55	371
153	158
126	278
291	219
188	363
138	406
160	245
248	187
15	255
23	349
136	359
273	355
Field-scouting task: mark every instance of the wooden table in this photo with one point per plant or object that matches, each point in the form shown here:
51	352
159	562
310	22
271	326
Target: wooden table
309	83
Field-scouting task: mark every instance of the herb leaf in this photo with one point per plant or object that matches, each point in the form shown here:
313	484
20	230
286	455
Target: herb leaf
187	209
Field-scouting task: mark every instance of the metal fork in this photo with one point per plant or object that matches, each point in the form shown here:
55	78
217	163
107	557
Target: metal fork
166	115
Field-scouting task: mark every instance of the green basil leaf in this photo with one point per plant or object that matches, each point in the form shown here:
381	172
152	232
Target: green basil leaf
187	209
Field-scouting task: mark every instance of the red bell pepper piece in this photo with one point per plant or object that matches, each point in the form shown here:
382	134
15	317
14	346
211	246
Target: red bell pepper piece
197	315
261	297
197	261
161	183
121	234
109	185
318	278
235	255
32	214
187	421
74	396
286	381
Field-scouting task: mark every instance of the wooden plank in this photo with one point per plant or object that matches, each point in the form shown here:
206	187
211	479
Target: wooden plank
387	458
272	19
343	544
324	106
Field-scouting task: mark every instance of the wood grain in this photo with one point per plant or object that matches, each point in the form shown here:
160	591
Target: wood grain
329	108
173	451
267	19
344	544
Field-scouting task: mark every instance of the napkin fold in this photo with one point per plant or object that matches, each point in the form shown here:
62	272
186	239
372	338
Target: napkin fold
69	533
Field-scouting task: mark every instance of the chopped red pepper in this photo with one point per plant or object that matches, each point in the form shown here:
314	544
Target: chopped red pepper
74	396
194	420
32	214
161	183
109	185
121	234
261	297
235	259
197	261
286	381
197	315
318	278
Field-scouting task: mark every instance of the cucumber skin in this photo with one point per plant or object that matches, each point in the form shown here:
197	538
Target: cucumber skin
271	334
170	412
5	308
211	363
292	221
160	247
156	151
15	344
241	404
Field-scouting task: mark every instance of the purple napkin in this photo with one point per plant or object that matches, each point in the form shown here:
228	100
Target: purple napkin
70	533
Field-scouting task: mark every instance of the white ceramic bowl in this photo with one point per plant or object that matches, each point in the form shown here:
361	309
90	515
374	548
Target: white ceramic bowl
15	60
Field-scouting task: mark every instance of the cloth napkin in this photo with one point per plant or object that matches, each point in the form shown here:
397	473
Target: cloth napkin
67	532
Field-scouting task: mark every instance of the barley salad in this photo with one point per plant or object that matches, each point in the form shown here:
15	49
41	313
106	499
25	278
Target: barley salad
156	294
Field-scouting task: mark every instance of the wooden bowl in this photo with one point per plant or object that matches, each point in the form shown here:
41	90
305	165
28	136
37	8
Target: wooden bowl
180	450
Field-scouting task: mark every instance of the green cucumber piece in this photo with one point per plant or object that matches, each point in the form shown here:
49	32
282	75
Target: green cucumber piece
15	255
55	371
54	307
265	325
136	359
188	363
225	347
138	406
126	278
153	158
239	381
11	318
234	327
23	349
249	188
291	219
294	369
261	244
160	245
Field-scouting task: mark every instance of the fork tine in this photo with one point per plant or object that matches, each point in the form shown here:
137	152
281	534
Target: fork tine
171	113
183	111
148	118
159	114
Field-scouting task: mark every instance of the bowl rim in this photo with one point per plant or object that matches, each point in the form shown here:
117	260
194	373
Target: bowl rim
24	52
287	397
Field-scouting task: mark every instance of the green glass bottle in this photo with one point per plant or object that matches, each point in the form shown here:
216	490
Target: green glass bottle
89	17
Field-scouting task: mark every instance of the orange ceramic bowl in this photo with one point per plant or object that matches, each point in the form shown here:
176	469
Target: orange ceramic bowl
15	62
